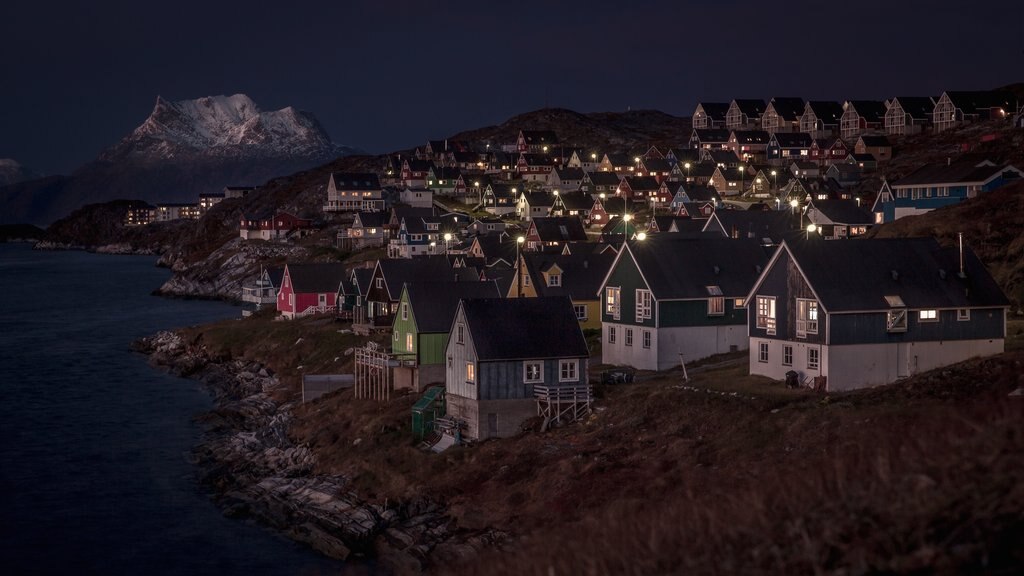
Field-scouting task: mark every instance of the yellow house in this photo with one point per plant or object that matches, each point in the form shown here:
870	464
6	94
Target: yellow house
577	276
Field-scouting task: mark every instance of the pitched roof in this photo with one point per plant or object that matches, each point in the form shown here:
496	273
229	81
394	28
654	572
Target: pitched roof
677	268
964	171
434	303
875	140
918	107
604	178
971	102
870	110
582	272
757	224
577	200
751	136
642	183
560	229
793	139
355	181
316	277
714	110
371	219
842	211
827	111
539	198
524	328
275	274
752	107
363	276
788	108
399	271
569	173
858	274
706	135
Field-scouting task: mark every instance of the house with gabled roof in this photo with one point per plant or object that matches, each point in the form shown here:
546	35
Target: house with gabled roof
940	184
551	231
658	168
494	249
845	174
443	179
510	359
860	116
422	325
350	191
638	189
272	226
577	275
909	115
768	227
534	204
308	289
577	203
670	298
826	151
723	158
606	207
876	145
782	114
710	138
872	311
710	114
955	108
838	219
586	160
597	183
499	199
390	274
749	145
821	118
366	231
565	179
264	289
730	181
536	141
616	162
744	114
784	147
353	289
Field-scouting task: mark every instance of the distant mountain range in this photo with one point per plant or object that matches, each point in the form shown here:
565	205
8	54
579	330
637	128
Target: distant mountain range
182	150
12	172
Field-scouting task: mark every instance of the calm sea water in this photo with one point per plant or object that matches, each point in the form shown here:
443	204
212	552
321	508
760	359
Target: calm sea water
93	442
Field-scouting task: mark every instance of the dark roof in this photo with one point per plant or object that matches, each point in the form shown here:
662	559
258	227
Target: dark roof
399	271
942	173
714	110
537	159
793	139
862	157
604	178
751	107
275	274
703	194
539	198
363	276
827	111
569	173
495	246
875	140
657	165
682	268
842	211
582	272
751	136
755	224
434	303
788	108
614	205
577	200
870	110
971	102
720	157
316	277
560	229
524	328
712	134
372	219
355	181
540	137
858	274
918	107
642	183
619	159
410	212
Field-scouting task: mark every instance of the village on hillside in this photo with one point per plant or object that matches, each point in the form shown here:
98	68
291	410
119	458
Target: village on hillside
503	273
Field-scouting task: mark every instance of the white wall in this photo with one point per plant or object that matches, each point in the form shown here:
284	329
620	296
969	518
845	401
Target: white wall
666	343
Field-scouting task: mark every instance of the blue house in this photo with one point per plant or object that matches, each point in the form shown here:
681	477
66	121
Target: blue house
868	312
941	184
784	147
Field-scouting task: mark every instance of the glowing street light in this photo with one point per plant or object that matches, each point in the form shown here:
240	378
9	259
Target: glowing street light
641	236
811	229
519	272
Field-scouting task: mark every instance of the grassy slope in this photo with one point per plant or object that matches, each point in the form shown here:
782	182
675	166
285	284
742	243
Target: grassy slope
923	474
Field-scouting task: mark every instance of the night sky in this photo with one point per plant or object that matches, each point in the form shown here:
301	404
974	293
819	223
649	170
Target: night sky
383	75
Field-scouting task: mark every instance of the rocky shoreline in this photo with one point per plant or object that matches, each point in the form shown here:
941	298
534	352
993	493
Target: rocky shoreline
122	248
256	471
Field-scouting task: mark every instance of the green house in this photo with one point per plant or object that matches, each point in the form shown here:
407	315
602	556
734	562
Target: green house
421	326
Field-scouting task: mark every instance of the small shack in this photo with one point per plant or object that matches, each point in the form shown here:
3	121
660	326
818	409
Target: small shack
426	410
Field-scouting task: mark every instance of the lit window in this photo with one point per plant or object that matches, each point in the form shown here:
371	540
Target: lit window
532	372
409	342
612	302
928	316
762	352
806	317
787	355
568	371
812	358
766	313
716	306
470	372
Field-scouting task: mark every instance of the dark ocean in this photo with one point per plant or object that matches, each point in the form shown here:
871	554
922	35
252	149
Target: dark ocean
94	476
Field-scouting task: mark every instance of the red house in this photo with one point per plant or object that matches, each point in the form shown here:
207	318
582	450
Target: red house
310	289
271	227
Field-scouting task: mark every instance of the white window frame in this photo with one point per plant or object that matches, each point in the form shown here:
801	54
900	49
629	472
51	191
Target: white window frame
963	314
806	317
409	342
405	310
813	359
762	352
539	366
568	371
460	334
644	304
716	306
765	310
787	355
930	315
611	334
896	320
613	301
646	339
629	336
554	279
581	312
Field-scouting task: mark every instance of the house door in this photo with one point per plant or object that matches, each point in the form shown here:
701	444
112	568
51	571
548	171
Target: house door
902	360
492	425
323	300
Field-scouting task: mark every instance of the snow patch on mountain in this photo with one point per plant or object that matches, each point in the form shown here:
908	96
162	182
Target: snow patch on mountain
12	172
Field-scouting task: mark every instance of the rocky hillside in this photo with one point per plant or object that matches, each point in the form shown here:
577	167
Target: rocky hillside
12	172
181	150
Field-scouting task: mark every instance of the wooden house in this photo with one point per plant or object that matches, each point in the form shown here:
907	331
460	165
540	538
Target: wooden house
875	144
416	197
353	289
576	275
510	359
604	208
838	219
710	138
308	289
499	199
744	114
845	174
769	227
577	203
860	116
782	114
264	289
869	312
941	184
565	179
730	181
723	158
639	189
955	108
909	115
545	232
414	172
534	167
657	168
443	180
864	162
351	191
278	226
536	204
616	162
597	183
821	119
390	275
784	147
670	298
749	145
585	160
536	141
366	231
710	115
826	151
421	327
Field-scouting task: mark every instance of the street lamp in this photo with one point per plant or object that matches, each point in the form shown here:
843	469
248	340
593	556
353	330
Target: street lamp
811	229
641	236
519	272
447	240
741	178
687	166
775	176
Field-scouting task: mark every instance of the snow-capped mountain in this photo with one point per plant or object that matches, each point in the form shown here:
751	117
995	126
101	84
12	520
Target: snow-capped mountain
12	172
224	126
183	149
